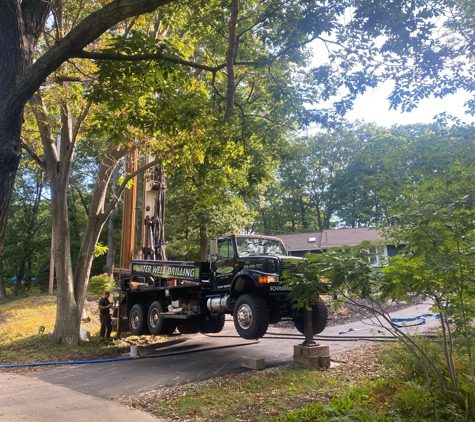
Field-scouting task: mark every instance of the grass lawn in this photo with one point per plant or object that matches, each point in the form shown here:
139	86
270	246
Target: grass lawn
21	342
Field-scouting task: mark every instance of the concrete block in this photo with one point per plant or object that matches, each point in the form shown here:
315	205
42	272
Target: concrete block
325	362
312	351
253	363
134	351
308	362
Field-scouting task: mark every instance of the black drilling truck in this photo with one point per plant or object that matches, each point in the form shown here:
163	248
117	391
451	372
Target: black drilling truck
242	278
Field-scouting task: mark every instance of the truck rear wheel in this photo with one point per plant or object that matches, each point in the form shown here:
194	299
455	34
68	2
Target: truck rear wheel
137	319
319	318
188	329
251	316
158	324
213	324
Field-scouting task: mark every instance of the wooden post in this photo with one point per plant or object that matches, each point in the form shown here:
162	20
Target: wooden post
308	328
129	214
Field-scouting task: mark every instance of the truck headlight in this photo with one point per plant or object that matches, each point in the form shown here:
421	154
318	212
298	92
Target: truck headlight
264	279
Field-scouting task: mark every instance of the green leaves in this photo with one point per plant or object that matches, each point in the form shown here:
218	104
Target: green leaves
344	269
438	226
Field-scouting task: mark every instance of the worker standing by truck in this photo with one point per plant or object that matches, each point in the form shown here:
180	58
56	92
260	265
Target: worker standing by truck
104	313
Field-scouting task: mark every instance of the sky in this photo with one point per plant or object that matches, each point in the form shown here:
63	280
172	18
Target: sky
373	106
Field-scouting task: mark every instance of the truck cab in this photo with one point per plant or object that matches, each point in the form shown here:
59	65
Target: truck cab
248	263
250	268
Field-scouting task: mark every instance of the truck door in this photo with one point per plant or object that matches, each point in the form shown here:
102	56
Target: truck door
223	267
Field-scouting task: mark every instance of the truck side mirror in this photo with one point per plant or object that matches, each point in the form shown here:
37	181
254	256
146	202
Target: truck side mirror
213	247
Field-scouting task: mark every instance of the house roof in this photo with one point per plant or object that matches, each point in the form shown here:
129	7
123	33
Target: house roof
329	238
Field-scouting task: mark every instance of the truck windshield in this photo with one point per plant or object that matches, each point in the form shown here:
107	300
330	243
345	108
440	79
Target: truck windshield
259	246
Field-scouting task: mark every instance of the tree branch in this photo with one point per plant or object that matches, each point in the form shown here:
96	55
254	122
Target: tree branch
40	113
58	79
33	154
123	185
153	56
34	17
230	58
80	120
79	37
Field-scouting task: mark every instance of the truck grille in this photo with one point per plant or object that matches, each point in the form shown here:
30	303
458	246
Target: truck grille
285	266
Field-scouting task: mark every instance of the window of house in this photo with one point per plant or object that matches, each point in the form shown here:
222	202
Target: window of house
378	256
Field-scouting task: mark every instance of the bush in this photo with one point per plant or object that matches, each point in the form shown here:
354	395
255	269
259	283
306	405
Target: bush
99	284
400	360
352	407
414	400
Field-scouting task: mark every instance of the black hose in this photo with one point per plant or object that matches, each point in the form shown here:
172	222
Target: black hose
185	352
64	362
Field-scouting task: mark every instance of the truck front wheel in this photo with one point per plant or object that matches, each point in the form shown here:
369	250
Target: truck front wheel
158	324
137	319
251	316
319	318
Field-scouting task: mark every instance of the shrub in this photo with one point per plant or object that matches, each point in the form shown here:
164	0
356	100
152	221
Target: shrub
99	284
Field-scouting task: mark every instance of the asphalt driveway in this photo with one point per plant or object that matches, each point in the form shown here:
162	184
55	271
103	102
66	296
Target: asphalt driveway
188	358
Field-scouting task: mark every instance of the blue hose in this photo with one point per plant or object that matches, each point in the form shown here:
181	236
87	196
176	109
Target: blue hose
416	318
64	362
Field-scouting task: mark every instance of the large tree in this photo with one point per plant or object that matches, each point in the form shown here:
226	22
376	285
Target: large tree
262	44
22	72
248	34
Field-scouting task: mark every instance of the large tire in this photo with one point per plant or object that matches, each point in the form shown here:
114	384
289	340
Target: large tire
157	324
137	322
212	324
319	318
188	329
251	316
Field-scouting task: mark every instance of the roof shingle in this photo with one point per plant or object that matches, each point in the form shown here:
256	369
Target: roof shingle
329	238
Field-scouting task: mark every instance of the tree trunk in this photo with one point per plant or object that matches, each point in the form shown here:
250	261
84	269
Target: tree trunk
28	283
51	267
71	287
19	275
10	150
11	64
96	220
302	213
3	291
68	314
203	242
110	234
20	26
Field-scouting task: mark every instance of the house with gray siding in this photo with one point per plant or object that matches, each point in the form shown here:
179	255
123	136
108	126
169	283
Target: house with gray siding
301	243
